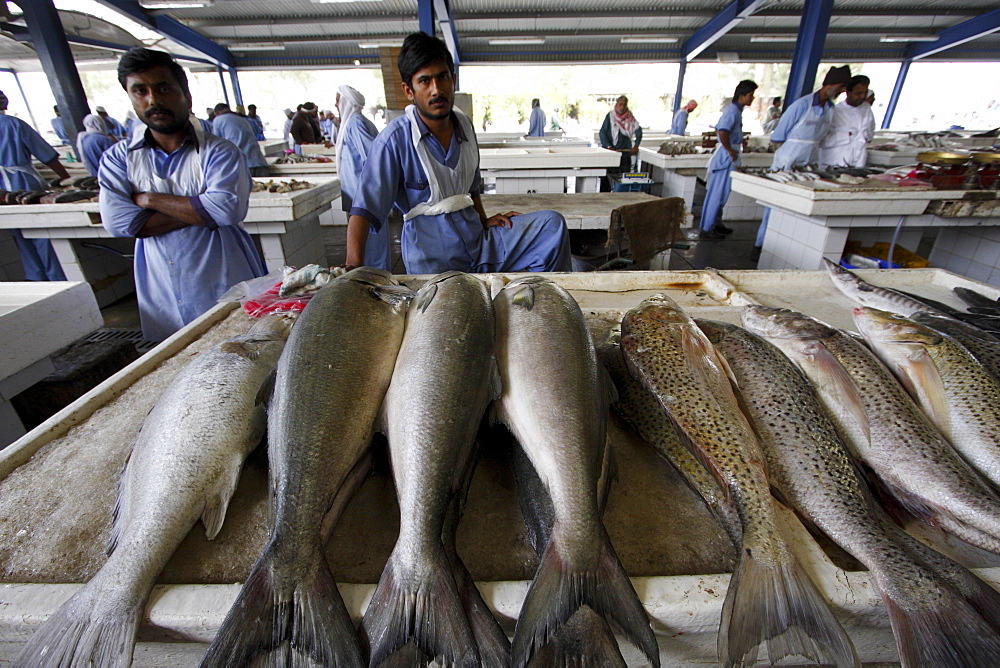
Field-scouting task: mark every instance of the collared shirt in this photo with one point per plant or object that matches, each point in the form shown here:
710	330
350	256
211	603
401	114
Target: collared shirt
359	133
242	133
115	128
796	112
680	123
92	146
258	125
180	274
393	173
18	142
536	124
59	127
732	122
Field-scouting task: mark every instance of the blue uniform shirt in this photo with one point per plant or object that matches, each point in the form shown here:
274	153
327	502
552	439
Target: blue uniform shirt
241	132
359	133
180	275
18	142
680	123
115	128
536	124
732	122
258	126
59	127
93	147
800	129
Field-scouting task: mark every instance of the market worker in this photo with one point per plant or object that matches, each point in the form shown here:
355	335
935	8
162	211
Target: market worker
305	127
287	131
93	142
800	130
18	142
621	132
354	141
536	123
426	163
772	116
257	121
59	126
680	123
724	160
240	131
329	126
115	129
846	144
181	193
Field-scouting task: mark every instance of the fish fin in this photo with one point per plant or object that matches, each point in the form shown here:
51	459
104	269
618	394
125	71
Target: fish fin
394	295
779	606
496	384
266	389
842	386
921	378
312	619
80	634
218	499
560	588
425	608
525	297
697	348
121	513
952	634
424	297
494	647
584	640
242	348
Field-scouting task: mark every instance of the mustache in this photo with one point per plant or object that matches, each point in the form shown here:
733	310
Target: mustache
157	110
439	98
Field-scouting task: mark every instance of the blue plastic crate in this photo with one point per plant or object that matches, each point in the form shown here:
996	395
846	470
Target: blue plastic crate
619	187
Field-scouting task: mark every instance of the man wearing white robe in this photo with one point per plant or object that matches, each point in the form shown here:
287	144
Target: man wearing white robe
846	144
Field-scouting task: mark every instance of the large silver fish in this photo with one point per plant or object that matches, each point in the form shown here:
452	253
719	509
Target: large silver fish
330	383
866	294
808	463
883	427
984	346
184	464
961	398
770	598
555	403
445	377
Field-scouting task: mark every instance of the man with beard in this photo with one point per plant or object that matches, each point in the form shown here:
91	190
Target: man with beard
181	193
426	163
621	132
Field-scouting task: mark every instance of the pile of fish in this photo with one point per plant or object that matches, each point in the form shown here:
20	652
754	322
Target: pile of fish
295	159
84	189
280	186
807	173
678	148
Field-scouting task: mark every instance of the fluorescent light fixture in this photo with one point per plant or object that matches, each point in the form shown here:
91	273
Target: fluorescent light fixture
175	4
773	38
649	40
375	45
256	46
908	38
517	40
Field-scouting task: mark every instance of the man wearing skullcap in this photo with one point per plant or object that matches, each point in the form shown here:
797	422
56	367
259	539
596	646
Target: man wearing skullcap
115	129
93	142
800	130
305	128
846	144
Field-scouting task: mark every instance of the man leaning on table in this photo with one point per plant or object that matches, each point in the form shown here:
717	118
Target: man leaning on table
426	163
181	193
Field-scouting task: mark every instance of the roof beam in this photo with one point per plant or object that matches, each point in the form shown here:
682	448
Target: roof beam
966	31
21	34
442	13
174	30
731	16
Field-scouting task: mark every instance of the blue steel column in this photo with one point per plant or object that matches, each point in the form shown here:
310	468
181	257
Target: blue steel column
24	97
897	90
235	79
49	39
680	84
808	48
425	16
222	79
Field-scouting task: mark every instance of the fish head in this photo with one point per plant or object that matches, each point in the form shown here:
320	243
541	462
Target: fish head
659	309
782	323
369	275
274	326
884	327
715	331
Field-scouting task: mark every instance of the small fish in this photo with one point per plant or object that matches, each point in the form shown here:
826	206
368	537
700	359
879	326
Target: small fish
770	599
867	294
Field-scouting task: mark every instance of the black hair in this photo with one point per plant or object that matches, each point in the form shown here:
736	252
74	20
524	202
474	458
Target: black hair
139	59
776	100
536	103
222	105
420	50
744	87
251	106
858	79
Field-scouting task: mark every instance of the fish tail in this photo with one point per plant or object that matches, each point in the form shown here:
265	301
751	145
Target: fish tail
584	640
80	633
494	647
310	619
560	588
779	605
425	608
952	634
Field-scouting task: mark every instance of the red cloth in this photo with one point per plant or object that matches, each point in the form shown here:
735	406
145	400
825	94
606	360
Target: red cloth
270	302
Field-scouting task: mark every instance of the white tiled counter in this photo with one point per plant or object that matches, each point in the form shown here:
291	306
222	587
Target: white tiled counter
546	169
807	225
584	211
272	148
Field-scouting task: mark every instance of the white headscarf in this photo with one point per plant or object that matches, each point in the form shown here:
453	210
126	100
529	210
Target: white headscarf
351	102
92	125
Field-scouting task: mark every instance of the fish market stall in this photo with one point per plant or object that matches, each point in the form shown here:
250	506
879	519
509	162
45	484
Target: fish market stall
677	176
286	224
53	533
272	147
300	170
546	170
813	220
27	312
585	211
522	141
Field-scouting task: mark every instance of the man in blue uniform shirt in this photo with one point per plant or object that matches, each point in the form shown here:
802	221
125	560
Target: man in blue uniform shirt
726	158
536	123
59	126
93	142
680	122
18	142
181	193
115	129
241	132
801	128
426	163
256	121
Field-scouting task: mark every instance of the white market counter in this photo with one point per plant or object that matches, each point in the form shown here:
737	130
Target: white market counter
583	211
808	224
667	540
546	170
272	147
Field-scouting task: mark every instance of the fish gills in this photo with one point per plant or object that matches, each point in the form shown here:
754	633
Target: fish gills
770	598
185	463
932	623
442	383
329	387
555	403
